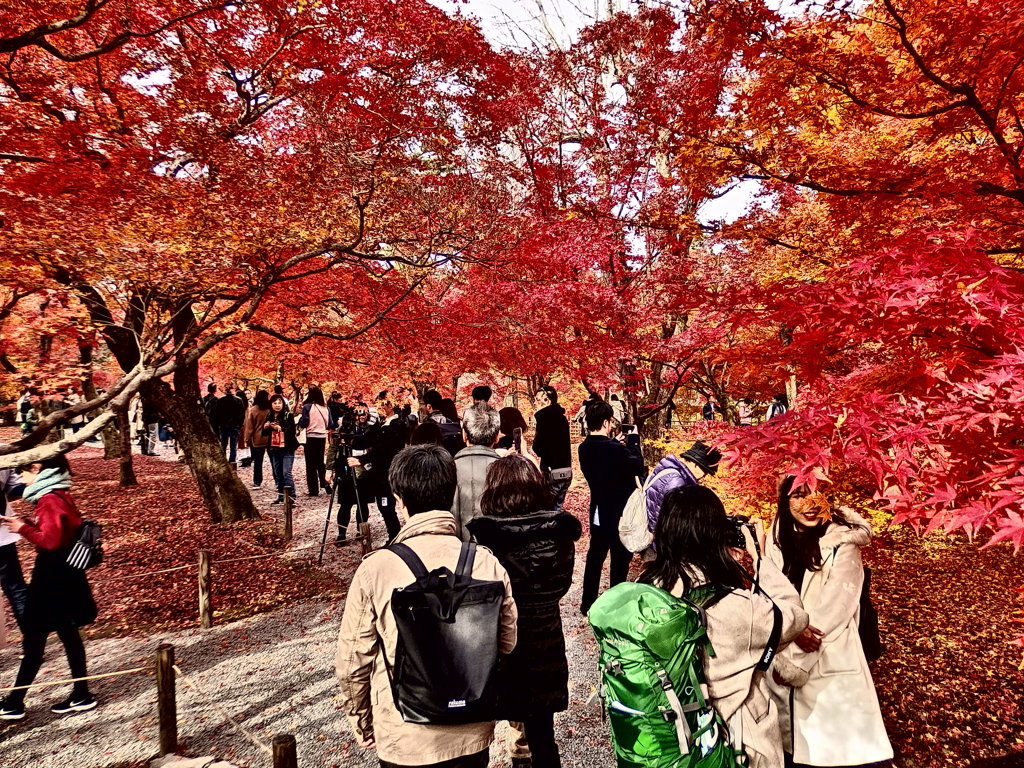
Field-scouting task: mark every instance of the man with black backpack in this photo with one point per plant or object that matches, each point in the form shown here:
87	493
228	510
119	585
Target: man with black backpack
424	624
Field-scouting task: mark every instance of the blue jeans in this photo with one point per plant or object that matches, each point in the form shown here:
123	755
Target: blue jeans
281	461
12	581
229	440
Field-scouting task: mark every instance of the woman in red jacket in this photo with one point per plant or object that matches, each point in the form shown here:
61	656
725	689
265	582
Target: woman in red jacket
59	597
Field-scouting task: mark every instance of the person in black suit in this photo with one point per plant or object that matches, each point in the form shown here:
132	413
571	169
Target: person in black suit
611	467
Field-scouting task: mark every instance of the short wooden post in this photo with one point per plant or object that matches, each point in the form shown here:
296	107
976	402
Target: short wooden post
365	539
166	706
288	502
205	602
283	747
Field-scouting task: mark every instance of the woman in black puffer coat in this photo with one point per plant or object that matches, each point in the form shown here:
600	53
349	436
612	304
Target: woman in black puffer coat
537	548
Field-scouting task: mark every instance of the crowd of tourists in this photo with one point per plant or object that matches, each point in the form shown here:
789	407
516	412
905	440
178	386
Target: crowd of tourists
733	646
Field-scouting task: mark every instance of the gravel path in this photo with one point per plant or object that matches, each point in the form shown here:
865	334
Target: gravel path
272	673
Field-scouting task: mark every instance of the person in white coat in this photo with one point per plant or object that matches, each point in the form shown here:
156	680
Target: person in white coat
829	711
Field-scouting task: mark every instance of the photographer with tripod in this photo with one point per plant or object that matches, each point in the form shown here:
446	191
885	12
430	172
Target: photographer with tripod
352	440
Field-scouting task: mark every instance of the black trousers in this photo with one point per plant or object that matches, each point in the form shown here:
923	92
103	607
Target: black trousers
386	505
478	760
540	735
346	498
315	468
602	542
33	646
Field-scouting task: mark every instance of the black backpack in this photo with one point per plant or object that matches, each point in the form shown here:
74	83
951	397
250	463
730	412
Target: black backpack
446	656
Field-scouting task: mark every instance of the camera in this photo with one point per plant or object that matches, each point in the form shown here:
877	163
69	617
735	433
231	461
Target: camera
736	524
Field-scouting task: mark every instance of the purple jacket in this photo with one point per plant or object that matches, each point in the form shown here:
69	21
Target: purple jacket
659	489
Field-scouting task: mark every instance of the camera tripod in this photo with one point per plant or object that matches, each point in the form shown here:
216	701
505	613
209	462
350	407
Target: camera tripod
362	525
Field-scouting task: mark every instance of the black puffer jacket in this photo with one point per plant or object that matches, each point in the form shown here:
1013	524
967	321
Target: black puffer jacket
537	551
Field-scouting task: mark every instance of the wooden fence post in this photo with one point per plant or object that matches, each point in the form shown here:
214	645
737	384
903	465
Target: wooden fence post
288	502
166	706
365	539
283	747
205	603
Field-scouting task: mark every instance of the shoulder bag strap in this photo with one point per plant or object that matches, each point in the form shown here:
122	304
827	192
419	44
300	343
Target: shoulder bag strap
466	557
410	558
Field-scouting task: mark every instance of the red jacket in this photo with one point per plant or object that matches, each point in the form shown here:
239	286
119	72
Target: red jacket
57	522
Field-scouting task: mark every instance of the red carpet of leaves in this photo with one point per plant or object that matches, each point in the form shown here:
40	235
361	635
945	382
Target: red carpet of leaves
162	523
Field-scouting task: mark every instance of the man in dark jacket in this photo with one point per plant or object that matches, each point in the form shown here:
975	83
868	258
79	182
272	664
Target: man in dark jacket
227	413
611	469
551	443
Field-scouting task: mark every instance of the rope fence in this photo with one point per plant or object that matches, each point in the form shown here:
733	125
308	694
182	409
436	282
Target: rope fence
49	683
228	717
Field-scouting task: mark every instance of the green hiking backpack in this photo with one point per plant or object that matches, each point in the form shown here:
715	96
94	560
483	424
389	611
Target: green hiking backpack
651	647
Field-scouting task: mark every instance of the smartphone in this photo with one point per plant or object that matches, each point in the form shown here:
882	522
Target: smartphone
627	429
517	439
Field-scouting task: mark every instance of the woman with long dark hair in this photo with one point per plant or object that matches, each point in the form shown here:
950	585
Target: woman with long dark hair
693	538
252	433
282	444
59	597
316	420
830	712
537	548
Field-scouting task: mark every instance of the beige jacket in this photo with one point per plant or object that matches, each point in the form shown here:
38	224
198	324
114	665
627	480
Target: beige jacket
831	716
368	622
739	626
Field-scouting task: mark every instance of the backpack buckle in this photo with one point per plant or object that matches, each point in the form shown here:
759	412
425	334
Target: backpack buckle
615	667
667	714
666	684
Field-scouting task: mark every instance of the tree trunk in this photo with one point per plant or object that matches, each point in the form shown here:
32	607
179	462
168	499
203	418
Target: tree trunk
223	492
126	472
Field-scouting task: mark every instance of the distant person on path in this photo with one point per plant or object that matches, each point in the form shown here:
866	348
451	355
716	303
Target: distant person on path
227	412
694	547
745	412
551	443
510	419
537	548
12	580
829	710
480	425
346	461
316	420
282	442
778	406
611	468
482	394
252	433
393	435
441	411
150	427
208	398
59	597
708	411
423	481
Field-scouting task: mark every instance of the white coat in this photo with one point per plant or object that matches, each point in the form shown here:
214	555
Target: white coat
834	719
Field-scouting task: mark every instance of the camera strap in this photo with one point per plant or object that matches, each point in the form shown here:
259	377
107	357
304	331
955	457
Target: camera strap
773	639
